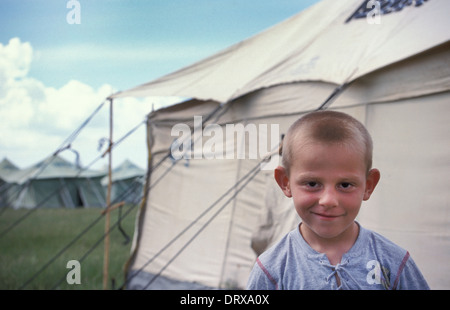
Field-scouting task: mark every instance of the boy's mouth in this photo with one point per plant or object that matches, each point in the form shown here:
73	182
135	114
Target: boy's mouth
328	217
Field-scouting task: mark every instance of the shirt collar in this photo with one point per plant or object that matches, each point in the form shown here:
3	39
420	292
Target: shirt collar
306	249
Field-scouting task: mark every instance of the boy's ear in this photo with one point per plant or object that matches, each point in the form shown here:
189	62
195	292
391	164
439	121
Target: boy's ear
371	182
282	179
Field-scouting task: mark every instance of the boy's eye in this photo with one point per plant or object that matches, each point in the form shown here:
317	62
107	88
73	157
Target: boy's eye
346	185
311	185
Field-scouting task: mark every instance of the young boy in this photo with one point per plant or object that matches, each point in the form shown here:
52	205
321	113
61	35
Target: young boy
327	170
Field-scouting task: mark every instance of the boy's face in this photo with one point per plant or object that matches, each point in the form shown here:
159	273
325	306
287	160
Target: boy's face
328	183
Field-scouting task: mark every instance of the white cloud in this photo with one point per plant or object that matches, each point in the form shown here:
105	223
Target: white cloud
36	119
15	59
69	105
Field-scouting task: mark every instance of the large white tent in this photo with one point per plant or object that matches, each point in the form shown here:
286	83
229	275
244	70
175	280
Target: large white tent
202	225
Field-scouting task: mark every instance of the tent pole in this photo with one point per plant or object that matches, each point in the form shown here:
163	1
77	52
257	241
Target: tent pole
108	200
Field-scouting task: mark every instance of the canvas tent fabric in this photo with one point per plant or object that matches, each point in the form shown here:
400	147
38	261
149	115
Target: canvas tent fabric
396	78
127	182
55	182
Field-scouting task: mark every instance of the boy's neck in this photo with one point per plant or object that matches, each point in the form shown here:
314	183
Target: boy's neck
333	248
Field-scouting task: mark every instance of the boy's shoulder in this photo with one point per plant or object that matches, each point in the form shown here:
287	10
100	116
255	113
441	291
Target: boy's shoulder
280	250
385	256
383	246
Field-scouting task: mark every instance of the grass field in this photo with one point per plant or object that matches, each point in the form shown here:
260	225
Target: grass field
39	238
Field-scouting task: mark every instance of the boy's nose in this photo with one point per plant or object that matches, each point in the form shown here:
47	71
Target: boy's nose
328	198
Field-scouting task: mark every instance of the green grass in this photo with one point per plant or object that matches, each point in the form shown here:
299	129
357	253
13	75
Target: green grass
37	240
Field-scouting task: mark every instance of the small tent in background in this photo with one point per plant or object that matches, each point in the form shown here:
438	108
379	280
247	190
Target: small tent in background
127	183
53	183
7	167
6	189
202	224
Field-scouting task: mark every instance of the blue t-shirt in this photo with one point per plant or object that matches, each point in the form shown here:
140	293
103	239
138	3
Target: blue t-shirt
373	262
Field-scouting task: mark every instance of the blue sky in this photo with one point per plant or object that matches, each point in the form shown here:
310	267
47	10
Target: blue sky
54	74
128	42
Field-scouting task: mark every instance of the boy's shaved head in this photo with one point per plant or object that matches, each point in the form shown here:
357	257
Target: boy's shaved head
327	127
